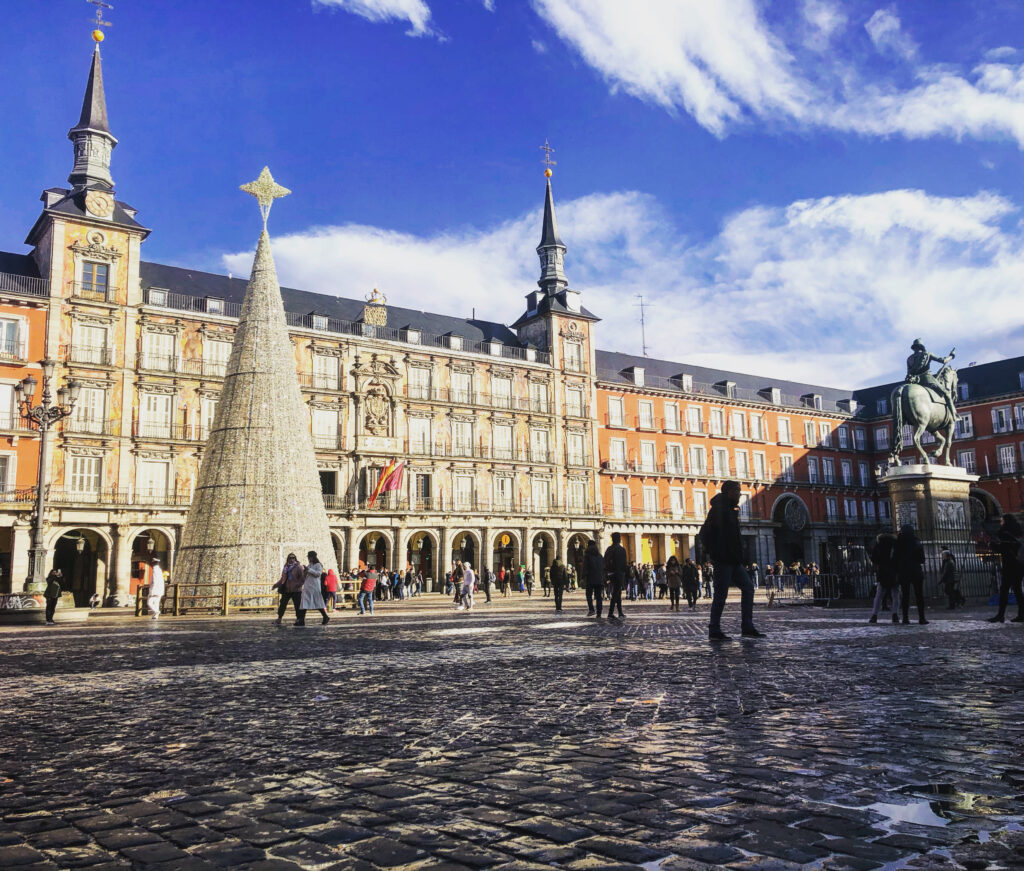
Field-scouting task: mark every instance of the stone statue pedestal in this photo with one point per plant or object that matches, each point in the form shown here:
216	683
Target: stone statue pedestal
932	499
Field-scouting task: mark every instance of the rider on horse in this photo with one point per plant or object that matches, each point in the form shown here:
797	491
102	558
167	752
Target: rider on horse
919	372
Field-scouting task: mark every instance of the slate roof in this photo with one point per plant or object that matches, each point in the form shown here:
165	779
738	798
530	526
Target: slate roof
18	264
72	204
94	106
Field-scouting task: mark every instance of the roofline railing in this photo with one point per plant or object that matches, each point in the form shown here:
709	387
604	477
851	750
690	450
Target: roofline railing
24	284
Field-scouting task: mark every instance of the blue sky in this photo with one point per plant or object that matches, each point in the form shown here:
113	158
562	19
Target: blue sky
799	188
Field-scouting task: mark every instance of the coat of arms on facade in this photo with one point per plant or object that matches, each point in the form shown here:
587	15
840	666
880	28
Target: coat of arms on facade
378	416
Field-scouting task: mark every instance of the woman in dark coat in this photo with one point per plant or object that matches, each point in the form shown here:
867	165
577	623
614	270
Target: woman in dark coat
1013	570
883	556
910	570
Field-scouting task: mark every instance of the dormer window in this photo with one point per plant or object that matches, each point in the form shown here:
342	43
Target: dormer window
214	305
964	390
455	342
728	388
157	296
686	383
775	395
812	400
320	322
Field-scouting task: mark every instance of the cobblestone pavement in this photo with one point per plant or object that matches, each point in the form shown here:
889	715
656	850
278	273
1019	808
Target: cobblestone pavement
513	741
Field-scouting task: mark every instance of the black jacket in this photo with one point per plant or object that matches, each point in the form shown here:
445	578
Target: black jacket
557	573
721	532
909	556
616	563
883	555
691	579
593	568
1009	544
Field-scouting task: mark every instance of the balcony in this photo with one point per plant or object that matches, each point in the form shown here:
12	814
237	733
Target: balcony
91	292
156	497
13	351
573	365
15	423
90	426
328	442
24	285
90	355
160	431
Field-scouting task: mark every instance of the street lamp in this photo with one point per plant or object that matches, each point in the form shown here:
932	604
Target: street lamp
44	415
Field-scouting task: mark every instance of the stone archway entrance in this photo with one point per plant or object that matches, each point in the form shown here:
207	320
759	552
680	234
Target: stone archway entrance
792	536
149	544
83	557
505	553
575	551
373	551
464	549
419	554
542	553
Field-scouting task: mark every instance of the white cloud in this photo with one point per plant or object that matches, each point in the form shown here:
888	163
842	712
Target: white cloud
539	46
722	63
829	290
415	12
886	32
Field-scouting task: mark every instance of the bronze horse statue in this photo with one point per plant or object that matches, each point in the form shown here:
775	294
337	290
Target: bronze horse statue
918	406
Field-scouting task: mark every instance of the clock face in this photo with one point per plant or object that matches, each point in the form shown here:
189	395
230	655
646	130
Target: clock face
99	204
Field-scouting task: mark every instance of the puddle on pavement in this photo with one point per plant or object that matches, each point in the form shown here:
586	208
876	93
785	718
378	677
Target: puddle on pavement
655	864
919	812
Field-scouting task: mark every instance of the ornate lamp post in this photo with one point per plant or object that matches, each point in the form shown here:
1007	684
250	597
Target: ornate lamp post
44	415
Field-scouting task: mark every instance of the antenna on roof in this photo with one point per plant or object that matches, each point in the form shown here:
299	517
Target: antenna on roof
643	306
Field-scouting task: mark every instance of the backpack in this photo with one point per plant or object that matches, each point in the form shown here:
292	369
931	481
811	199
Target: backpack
708	534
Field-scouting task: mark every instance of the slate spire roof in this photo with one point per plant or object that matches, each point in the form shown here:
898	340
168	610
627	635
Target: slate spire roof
549	232
94	106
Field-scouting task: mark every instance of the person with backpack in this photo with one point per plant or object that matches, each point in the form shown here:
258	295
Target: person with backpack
691	583
883	556
593	579
674	581
721	538
616	564
910	569
557	574
1010	547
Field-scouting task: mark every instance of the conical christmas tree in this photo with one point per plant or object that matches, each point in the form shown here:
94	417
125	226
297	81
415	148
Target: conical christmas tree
258	496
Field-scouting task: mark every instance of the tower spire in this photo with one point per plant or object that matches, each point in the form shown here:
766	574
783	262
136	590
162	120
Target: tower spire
551	249
91	136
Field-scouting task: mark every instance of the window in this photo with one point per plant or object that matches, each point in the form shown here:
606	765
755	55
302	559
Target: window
757	427
742	465
850	509
865	474
1007	460
738	422
646	414
152	482
9	414
775	395
539	396
1018	417
869	511
672	417
620	501
422	489
816	402
574	402
155	415
674	459
828	470
419	435
462	486
760	466
325	372
686	383
503	492
618	454
745	506
964	426
965	460
207	411
965	390
158	349
462	387
832	508
908	434
694	419
541	488
615	415
6	473
539	441
810	435
884	510
95	278
846	469
419	382
721	456
577	494
319	322
785	433
10	339
843	435
881	438
651	501
215	357
1002	420
825	434
677	502
85	475
576	449
786	467
698	461
90	410
717	422
881	406
214	305
812	470
325	428
700	504
860	439
502	447
157	296
648	457
573	354
462	438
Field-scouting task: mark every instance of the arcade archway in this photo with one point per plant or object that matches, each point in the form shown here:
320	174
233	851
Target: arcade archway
792	535
373	550
505	552
83	557
149	545
575	551
542	553
339	551
419	554
465	548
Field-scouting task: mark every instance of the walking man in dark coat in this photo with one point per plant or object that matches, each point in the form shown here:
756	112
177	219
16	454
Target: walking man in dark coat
910	570
721	538
1013	569
557	576
593	579
617	566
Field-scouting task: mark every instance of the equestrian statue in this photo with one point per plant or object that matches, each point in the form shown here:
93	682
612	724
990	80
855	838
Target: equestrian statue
927	403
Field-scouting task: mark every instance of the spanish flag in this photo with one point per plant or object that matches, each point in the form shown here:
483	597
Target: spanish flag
390	479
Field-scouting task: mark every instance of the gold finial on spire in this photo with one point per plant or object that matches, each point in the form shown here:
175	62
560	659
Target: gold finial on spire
98	22
547	161
266	190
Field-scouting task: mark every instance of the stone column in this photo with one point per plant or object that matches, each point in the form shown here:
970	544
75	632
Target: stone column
526	548
666	546
21	537
399	561
637	546
562	545
120	581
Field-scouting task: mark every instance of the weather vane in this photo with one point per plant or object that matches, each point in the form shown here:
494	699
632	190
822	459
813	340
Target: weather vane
266	190
547	161
98	22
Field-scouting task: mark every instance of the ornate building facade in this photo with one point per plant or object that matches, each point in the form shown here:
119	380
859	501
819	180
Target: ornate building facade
519	442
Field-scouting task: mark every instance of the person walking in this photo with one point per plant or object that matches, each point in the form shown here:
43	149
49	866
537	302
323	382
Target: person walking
707	573
156	588
615	562
488	581
720	535
52	594
545	581
311	598
691	583
528	580
948	581
909	568
883	556
1010	544
593	579
290	587
558	580
331	589
366	587
674	580
468	586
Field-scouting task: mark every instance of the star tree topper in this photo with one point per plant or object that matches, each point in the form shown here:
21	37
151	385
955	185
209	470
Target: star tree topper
266	190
